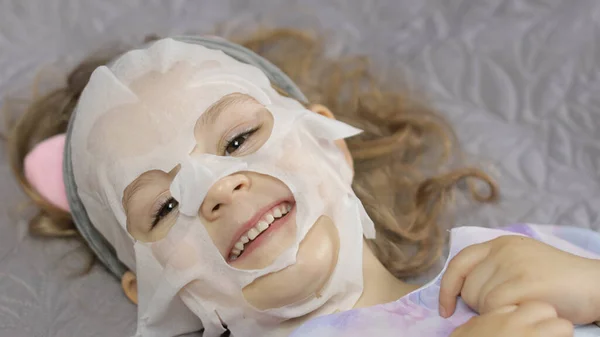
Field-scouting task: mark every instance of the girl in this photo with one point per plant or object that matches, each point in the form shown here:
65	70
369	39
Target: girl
228	202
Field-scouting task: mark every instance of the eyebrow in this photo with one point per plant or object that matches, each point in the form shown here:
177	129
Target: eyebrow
132	189
214	111
141	182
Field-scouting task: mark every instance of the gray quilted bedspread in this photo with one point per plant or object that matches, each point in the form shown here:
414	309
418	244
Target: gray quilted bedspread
519	80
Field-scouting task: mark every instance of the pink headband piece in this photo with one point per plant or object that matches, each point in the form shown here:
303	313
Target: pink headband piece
44	171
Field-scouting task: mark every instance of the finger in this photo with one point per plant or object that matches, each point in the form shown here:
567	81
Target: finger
478	283
535	312
555	327
507	293
456	272
494	280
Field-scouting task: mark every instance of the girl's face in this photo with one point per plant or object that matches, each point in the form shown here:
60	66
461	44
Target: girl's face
250	217
237	198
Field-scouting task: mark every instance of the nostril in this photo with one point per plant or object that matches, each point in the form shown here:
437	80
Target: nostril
216	208
238	187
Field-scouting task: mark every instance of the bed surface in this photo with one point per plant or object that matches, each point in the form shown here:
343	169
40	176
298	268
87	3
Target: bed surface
519	80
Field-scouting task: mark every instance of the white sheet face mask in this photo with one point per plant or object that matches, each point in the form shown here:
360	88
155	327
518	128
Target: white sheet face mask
185	282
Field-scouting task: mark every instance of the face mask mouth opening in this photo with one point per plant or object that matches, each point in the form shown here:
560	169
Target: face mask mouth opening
262	224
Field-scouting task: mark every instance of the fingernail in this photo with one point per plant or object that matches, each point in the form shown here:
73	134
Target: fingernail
443	311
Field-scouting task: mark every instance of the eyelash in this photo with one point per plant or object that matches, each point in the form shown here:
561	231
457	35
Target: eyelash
245	135
168	206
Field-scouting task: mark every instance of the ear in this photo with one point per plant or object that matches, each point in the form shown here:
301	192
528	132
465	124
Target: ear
129	284
324	111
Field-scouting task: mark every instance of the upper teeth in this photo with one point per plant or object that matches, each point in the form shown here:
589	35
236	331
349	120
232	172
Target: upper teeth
261	226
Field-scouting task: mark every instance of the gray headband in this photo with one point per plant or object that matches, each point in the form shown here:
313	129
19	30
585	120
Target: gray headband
99	245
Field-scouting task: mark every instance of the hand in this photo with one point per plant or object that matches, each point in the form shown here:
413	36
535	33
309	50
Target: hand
512	269
531	319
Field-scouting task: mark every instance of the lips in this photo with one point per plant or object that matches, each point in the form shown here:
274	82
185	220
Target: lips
259	224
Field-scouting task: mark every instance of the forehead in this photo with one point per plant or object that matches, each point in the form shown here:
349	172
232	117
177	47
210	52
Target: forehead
139	113
166	106
149	97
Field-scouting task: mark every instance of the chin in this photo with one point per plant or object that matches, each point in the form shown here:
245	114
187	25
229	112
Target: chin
316	260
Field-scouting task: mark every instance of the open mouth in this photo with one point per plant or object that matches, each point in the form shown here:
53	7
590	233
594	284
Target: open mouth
254	229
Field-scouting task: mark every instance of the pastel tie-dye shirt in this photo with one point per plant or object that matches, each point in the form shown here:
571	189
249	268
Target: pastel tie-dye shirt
416	314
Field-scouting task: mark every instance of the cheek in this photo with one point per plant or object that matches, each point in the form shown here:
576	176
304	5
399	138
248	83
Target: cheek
316	260
330	167
182	258
308	168
219	237
295	160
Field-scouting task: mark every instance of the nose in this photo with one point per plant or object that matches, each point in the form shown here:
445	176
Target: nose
222	194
